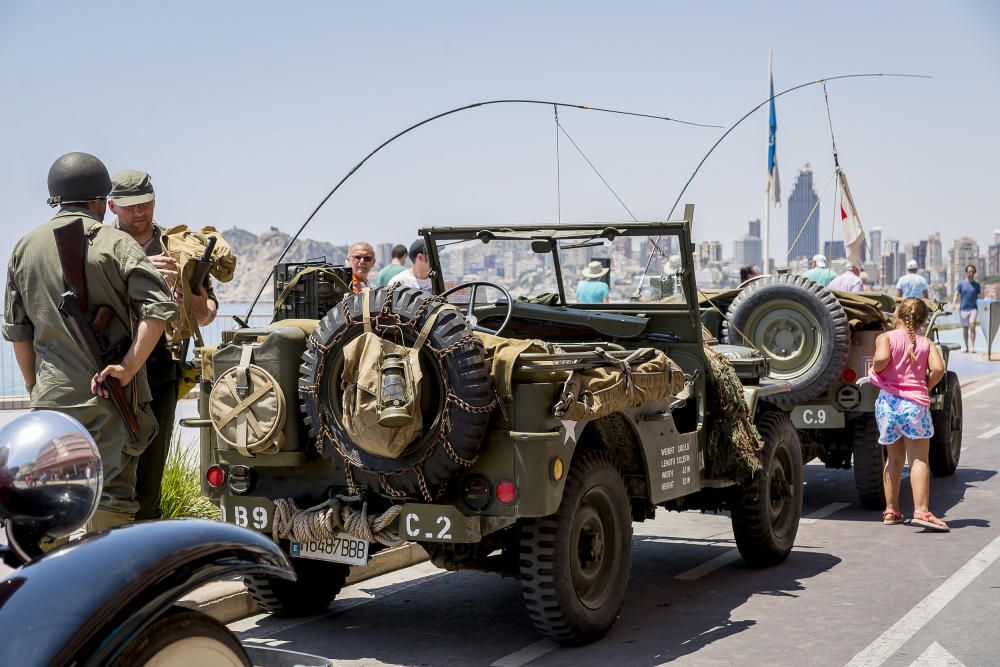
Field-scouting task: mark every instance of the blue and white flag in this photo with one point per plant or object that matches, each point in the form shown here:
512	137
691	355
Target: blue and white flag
773	183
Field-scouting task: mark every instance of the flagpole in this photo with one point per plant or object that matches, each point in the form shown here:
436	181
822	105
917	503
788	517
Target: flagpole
766	241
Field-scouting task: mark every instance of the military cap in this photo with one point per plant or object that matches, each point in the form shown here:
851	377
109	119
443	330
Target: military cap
131	187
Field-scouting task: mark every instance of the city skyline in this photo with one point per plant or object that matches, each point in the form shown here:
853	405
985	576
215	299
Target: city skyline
248	118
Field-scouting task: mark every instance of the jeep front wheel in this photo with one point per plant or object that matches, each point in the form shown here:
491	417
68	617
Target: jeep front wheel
574	564
765	514
315	587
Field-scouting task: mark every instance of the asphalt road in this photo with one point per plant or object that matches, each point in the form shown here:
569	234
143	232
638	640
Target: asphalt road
852	592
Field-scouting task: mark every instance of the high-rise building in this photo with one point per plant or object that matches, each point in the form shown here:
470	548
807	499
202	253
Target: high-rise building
748	251
965	251
891	268
993	265
754	228
834	250
803	228
383	254
875	243
920	254
709	252
935	257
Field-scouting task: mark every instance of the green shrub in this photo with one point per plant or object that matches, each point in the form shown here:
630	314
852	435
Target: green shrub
181	492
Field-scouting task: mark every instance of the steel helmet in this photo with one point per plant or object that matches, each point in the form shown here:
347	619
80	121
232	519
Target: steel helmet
76	178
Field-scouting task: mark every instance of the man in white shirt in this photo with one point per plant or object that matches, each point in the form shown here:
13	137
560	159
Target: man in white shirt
417	276
848	281
912	284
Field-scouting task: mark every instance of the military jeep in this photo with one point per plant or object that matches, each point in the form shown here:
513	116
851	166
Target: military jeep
498	422
820	342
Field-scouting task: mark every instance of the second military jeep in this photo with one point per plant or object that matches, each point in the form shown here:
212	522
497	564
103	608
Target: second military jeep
821	342
522	432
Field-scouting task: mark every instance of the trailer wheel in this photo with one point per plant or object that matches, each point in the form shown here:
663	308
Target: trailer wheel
869	462
946	444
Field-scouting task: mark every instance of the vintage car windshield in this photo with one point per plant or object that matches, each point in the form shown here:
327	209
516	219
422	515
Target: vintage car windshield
594	269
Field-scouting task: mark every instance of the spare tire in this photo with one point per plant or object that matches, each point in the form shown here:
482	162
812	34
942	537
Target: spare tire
457	393
799	325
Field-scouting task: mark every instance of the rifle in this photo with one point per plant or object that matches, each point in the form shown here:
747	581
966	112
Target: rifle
202	266
71	245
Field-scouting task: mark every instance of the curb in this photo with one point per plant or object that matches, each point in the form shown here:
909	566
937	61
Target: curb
228	601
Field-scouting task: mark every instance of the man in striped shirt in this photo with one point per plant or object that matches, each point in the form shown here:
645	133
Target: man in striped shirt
361	259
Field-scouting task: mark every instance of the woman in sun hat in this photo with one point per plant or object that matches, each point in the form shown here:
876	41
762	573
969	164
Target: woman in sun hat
592	289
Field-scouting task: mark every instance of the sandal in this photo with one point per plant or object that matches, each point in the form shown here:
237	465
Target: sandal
929	521
891	517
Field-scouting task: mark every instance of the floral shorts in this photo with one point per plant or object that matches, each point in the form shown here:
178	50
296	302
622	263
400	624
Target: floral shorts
898	417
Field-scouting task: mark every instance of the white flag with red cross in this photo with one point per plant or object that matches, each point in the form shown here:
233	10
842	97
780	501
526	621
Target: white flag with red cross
854	235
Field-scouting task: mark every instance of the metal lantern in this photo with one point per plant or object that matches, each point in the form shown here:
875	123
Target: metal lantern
395	389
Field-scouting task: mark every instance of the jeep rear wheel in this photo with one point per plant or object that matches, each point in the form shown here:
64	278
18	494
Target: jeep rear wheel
800	327
316	586
574	564
765	514
946	443
869	462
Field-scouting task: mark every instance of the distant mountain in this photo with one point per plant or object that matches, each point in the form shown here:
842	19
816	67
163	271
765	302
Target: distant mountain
255	256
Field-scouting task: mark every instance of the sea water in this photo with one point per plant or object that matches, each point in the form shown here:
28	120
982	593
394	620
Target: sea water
12	384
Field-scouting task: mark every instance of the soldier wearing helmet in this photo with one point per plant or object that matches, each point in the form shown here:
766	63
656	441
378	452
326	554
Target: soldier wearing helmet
56	373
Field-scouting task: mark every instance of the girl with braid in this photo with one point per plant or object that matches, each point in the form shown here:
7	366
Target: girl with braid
900	369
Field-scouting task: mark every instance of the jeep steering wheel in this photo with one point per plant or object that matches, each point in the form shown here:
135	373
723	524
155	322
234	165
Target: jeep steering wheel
474	286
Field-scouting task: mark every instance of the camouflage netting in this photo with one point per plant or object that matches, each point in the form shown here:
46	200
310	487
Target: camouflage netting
734	445
591	393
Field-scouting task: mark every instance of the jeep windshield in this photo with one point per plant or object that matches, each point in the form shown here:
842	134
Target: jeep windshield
572	264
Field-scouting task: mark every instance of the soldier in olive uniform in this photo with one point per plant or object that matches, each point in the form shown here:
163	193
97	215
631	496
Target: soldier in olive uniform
132	201
56	372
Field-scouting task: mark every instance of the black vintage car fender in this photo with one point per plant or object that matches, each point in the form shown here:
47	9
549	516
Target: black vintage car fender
83	602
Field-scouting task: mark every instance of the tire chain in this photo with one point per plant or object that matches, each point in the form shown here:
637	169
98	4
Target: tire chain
383	320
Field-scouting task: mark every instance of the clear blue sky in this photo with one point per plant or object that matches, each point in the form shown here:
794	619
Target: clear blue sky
246	113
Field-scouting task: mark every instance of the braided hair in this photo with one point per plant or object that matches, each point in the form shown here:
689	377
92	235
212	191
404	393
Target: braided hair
913	313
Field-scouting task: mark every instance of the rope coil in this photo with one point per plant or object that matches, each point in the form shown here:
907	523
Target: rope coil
324	521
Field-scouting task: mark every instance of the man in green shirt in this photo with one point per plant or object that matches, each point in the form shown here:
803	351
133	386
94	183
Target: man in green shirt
56	372
819	272
397	266
132	201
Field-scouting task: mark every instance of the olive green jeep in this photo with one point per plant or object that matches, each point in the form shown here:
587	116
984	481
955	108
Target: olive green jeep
821	342
498	422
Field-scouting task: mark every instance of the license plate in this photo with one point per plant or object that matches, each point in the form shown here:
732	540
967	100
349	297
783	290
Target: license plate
253	513
343	548
817	416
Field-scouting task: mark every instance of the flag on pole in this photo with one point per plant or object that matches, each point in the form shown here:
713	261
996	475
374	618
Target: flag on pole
773	184
854	235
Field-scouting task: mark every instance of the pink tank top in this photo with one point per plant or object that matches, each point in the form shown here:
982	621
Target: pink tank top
904	377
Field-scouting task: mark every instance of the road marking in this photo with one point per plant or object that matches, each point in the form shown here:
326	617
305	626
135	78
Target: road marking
822	513
978	390
936	656
989	434
526	654
700	571
886	645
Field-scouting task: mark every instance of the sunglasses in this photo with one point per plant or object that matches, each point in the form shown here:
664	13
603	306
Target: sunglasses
363	258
